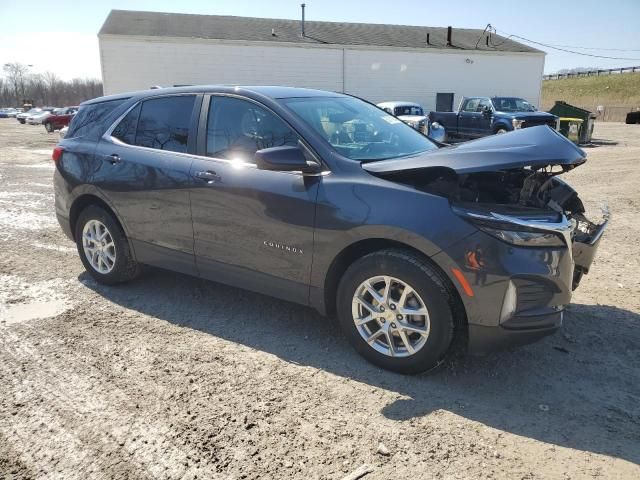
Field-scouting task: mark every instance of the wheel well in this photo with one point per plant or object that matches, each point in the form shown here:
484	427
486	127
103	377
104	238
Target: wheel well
364	247
83	202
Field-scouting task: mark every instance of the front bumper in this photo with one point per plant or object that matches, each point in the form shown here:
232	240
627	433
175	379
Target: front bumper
484	339
516	295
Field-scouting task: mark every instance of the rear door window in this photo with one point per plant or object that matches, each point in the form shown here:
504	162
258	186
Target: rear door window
237	128
125	131
162	123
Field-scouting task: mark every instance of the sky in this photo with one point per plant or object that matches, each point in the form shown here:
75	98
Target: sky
61	36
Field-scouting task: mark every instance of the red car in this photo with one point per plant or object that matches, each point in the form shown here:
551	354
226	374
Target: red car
61	117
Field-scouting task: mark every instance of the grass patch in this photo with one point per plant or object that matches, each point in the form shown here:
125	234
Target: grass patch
610	90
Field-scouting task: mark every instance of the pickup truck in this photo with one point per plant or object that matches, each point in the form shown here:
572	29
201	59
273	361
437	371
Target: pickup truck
61	117
482	116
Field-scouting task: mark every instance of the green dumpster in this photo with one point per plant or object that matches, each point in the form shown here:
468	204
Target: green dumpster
563	109
571	128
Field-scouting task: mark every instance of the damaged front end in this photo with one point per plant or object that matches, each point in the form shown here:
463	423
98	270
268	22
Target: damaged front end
508	187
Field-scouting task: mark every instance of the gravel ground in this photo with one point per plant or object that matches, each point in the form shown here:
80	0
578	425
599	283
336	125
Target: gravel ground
174	377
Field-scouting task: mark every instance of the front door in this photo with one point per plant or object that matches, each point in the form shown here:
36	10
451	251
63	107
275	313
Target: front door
468	118
485	120
252	228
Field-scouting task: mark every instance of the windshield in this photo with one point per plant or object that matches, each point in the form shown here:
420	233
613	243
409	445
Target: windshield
408	110
358	130
510	104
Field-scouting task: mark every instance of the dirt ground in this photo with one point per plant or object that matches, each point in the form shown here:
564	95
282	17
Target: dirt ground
174	377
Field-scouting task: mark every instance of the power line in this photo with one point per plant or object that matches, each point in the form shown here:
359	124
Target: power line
562	49
599	48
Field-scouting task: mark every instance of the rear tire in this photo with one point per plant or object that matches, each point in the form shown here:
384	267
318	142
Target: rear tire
382	330
103	247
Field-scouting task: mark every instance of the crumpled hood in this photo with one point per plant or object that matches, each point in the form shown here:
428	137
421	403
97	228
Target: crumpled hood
530	147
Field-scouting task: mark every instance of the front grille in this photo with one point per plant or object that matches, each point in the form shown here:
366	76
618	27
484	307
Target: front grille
533	294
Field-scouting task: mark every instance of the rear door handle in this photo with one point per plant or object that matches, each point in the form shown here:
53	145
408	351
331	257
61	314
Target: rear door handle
113	158
209	175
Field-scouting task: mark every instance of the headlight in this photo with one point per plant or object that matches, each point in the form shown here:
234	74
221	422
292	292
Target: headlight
517	124
523	231
524	238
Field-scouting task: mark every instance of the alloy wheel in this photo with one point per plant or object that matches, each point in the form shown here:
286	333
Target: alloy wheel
98	246
390	316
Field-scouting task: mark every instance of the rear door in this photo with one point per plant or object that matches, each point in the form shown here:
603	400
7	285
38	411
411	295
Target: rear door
469	118
252	228
144	169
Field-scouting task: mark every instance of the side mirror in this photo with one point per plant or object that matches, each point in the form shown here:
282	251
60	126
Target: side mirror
285	159
487	111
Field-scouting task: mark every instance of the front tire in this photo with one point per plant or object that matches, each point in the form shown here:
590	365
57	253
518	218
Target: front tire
500	131
396	311
103	247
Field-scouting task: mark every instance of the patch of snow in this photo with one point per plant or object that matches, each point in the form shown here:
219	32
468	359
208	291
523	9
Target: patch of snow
57	248
21	301
44	166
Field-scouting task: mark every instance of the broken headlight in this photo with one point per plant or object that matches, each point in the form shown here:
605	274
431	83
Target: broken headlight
524	238
524	229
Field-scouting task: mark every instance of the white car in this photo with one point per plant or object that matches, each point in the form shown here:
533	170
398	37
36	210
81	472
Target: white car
413	115
38	118
22	117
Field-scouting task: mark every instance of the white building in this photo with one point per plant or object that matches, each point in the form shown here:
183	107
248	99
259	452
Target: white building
431	66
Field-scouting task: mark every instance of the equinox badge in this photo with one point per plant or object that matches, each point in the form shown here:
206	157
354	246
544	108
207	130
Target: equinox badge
282	246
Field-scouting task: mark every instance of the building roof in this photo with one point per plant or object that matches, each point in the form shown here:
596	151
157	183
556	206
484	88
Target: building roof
218	27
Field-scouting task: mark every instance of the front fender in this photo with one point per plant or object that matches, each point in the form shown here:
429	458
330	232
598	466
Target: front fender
351	210
502	123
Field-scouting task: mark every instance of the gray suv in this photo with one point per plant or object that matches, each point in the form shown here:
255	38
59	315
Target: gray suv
326	200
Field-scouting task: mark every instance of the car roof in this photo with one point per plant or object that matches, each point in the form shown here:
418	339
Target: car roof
399	104
272	91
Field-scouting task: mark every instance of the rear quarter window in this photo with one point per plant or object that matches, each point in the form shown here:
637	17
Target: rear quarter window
88	121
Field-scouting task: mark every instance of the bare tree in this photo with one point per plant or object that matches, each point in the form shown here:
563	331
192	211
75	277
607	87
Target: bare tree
45	89
16	73
51	80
